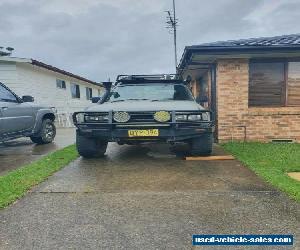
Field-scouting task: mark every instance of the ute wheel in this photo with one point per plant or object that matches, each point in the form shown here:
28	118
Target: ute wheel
202	145
90	147
46	134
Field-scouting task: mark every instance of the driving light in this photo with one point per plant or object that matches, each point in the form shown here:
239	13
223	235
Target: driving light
162	116
121	116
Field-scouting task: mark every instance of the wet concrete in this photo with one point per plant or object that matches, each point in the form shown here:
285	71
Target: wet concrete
146	198
16	153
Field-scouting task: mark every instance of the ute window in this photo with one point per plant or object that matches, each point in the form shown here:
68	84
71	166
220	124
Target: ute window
6	95
157	92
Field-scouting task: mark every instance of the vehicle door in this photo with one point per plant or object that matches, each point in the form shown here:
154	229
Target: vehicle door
16	116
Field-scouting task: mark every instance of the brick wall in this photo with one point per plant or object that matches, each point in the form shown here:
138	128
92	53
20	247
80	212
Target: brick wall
265	124
232	98
238	122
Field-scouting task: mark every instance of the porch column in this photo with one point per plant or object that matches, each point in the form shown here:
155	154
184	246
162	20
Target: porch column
232	98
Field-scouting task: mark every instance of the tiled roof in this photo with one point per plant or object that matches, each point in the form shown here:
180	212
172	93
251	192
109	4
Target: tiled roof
284	40
284	43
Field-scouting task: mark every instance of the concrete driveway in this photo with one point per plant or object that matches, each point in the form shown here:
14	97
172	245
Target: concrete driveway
145	198
16	153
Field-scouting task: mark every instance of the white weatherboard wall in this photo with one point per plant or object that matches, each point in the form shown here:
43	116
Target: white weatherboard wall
27	79
8	74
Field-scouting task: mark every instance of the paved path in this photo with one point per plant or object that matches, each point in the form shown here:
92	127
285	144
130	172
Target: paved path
145	198
16	153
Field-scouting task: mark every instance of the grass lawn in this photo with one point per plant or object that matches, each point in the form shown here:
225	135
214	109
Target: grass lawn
16	183
271	161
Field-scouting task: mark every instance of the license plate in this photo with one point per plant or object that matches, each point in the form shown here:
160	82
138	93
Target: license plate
139	133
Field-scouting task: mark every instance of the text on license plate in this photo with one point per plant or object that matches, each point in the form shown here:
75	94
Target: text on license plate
147	132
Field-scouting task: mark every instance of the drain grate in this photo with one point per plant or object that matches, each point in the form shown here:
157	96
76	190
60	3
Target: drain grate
283	140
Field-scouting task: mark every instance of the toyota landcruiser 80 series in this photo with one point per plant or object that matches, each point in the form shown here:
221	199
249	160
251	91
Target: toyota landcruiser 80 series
144	108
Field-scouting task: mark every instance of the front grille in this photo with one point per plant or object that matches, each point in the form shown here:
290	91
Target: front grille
141	117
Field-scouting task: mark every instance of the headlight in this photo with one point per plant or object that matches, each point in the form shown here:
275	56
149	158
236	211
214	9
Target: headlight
121	116
181	117
96	118
194	117
162	116
80	118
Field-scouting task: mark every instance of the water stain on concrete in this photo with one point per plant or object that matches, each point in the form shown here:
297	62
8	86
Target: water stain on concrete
16	153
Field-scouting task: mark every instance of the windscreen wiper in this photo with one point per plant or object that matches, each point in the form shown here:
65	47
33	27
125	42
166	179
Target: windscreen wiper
131	99
168	99
121	100
138	99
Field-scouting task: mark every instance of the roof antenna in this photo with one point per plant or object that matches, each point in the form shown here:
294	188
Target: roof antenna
172	23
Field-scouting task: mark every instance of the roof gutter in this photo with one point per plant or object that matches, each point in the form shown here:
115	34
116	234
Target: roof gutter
206	50
57	70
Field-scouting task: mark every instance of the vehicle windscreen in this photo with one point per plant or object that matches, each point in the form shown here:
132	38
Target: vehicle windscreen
154	92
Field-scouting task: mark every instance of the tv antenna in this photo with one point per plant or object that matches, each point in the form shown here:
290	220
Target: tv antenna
172	23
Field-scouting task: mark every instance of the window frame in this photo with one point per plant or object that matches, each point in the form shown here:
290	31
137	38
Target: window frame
17	100
285	86
90	91
62	85
75	85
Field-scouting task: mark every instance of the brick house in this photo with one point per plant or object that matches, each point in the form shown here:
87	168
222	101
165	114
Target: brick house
251	85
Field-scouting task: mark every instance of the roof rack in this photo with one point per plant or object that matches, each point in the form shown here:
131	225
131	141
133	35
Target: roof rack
148	78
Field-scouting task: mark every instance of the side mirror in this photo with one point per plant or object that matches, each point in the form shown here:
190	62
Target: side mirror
95	99
201	99
188	79
27	98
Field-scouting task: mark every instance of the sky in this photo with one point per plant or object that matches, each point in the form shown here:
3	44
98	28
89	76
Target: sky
99	39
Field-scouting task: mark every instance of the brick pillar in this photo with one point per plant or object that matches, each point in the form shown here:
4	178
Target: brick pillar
232	98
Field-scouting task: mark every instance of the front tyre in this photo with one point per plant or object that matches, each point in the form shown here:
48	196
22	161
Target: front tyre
202	145
47	133
90	147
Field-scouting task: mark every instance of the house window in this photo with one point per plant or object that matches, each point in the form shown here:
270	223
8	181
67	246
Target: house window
266	84
89	93
60	84
293	84
75	90
274	83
